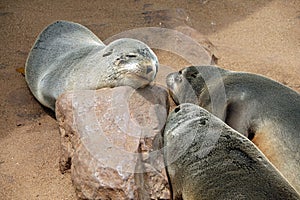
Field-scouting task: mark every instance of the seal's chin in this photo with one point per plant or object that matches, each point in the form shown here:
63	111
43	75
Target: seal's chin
171	84
173	96
134	80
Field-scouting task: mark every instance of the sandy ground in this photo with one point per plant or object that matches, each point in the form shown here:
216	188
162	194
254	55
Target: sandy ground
261	36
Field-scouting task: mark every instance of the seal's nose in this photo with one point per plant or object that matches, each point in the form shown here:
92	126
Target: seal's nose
177	109
149	69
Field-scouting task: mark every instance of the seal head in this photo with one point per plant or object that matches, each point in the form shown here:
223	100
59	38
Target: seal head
206	159
189	83
135	64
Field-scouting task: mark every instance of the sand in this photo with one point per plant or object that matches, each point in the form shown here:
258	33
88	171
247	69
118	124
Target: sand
257	36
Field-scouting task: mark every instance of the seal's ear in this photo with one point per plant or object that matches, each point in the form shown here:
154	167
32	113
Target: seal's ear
108	53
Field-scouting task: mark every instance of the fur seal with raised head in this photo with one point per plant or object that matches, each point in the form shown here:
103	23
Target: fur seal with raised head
68	56
265	111
207	159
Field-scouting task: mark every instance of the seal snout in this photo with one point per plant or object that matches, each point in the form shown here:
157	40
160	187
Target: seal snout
174	78
170	80
149	69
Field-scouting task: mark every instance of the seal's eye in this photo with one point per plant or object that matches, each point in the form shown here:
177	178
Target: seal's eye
108	53
131	55
194	75
180	72
149	69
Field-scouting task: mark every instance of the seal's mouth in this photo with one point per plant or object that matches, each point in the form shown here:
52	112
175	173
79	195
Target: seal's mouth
135	81
140	77
173	96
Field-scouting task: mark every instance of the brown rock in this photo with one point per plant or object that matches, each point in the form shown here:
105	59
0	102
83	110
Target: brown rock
106	141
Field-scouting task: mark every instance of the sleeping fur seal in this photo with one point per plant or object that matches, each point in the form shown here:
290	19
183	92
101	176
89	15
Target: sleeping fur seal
68	56
207	159
265	111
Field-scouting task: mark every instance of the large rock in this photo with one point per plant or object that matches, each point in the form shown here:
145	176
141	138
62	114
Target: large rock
106	141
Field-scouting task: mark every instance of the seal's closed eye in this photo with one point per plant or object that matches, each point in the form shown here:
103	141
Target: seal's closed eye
108	53
131	55
194	75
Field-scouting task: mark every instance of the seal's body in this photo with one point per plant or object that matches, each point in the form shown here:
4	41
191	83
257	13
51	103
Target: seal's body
207	159
68	56
265	111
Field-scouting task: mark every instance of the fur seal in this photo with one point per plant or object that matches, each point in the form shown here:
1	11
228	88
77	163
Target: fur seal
207	159
68	56
265	111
